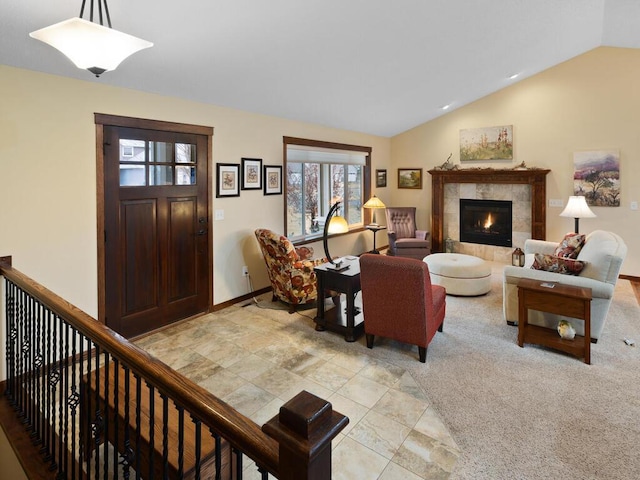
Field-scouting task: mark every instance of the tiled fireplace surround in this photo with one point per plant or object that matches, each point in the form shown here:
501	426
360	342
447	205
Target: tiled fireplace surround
526	190
519	195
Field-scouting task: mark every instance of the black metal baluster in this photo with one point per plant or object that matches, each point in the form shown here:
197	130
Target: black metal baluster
127	453
152	432
238	462
35	374
38	347
87	441
63	431
98	425
218	454
105	409
82	398
74	400
48	386
54	381
21	367
180	440
165	436
198	434
10	339
116	420
138	423
29	384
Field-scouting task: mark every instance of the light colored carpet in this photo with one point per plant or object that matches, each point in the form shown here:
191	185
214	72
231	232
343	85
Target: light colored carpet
527	413
532	413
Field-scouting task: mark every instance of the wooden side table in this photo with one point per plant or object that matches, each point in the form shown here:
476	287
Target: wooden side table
574	302
351	322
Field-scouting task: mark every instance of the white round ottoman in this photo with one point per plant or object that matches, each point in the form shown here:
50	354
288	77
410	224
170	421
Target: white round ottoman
459	274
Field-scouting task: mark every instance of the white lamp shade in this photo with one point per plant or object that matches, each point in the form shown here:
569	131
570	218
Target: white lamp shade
577	208
90	45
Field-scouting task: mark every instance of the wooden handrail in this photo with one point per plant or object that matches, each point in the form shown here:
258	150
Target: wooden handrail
237	429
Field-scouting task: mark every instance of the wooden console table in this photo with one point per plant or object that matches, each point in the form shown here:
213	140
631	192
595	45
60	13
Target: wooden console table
351	323
574	302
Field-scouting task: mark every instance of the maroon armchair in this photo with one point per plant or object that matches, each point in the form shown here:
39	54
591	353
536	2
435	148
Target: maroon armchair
399	302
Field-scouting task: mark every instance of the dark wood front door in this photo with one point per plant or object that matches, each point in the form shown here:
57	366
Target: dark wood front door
156	227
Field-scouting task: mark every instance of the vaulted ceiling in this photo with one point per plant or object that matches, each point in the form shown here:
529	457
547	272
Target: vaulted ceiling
373	66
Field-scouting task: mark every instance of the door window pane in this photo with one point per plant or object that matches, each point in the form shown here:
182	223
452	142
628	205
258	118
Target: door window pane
160	175
132	175
185	153
160	152
185	175
132	150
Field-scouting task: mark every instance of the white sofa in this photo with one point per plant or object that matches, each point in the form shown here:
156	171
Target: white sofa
603	253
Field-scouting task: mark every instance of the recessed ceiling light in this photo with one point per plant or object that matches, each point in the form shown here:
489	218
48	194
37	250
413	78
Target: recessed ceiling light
514	76
446	107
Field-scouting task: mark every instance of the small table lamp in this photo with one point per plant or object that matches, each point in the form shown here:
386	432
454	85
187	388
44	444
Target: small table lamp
333	224
577	208
375	203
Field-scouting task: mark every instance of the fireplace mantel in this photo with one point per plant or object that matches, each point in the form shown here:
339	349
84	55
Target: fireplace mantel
535	177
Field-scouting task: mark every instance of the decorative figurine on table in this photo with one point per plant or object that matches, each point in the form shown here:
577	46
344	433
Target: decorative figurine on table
566	330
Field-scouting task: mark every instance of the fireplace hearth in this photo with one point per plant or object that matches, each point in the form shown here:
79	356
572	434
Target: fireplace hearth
487	222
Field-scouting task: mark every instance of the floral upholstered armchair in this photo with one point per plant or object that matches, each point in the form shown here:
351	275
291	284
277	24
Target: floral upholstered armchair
290	269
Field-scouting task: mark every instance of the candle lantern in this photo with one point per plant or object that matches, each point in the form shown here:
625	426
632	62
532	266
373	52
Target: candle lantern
517	258
448	245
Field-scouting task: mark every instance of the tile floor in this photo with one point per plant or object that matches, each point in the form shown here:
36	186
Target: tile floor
256	359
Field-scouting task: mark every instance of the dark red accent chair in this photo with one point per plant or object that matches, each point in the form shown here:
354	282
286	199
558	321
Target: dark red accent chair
399	301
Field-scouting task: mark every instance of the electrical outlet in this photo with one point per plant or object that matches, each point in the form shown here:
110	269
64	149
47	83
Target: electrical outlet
634	205
219	214
245	271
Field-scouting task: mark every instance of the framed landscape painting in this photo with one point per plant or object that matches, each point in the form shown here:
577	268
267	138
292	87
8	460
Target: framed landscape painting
381	178
410	178
596	175
487	143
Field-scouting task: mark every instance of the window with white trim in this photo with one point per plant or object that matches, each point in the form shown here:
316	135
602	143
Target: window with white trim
318	174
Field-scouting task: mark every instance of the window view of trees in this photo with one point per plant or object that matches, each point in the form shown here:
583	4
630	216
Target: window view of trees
312	187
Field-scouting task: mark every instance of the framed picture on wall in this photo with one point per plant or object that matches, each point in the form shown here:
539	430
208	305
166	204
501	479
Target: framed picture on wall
410	178
381	178
596	176
487	143
272	179
251	173
227	180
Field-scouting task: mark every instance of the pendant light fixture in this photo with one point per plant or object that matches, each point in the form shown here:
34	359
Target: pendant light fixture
91	45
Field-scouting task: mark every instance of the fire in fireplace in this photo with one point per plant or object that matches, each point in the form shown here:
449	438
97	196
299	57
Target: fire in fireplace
487	222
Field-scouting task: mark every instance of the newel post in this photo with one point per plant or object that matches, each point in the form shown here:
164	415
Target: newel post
304	429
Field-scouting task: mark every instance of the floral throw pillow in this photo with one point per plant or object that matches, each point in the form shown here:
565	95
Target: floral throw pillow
570	245
552	263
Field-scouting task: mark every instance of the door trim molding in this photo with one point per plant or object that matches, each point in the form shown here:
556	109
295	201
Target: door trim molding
101	121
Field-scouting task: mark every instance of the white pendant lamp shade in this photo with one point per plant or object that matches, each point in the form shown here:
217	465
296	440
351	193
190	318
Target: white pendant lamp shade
89	45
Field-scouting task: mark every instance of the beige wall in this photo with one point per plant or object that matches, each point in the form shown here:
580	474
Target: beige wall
48	185
588	103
